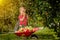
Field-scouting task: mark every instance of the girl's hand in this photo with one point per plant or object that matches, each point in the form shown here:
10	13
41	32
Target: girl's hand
21	19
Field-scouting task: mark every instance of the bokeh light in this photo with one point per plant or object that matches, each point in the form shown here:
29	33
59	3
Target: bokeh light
1	2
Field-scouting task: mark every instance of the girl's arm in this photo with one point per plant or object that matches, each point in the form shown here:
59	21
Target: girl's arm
27	16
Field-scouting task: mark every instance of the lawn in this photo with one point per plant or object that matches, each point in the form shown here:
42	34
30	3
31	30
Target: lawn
14	37
43	35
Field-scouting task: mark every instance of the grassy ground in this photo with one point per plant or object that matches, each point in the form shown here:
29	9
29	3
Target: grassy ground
45	34
14	37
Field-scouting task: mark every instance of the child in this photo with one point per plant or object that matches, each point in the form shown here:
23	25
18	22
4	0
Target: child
23	17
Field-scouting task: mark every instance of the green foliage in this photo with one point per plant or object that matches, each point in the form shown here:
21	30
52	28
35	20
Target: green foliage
46	32
14	37
8	15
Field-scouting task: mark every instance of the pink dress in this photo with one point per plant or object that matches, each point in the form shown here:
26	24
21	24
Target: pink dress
24	22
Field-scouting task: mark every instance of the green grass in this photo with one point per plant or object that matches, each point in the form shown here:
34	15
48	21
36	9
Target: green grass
45	34
14	37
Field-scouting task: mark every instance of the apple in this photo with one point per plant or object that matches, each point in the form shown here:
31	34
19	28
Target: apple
27	32
18	33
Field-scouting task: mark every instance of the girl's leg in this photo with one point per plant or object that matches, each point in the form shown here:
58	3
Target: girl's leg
16	26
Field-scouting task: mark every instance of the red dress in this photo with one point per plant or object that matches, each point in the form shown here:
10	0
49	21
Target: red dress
24	22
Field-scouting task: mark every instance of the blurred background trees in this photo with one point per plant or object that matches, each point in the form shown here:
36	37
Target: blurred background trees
8	12
41	13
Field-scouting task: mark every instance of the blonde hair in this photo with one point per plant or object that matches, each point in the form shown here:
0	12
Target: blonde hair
23	7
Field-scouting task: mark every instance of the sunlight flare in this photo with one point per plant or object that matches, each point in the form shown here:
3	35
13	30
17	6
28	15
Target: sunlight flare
1	2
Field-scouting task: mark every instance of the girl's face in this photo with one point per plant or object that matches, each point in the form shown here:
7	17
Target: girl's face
22	10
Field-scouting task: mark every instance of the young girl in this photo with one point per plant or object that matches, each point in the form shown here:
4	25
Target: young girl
23	17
